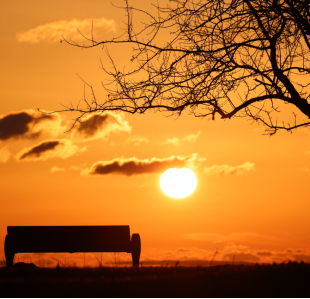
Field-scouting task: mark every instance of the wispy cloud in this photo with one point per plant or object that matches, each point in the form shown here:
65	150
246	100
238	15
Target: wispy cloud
57	169
99	127
48	149
229	169
78	167
136	140
27	124
176	141
135	166
4	155
53	32
239	237
191	137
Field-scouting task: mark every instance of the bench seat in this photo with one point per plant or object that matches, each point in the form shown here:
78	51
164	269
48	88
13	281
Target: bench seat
35	239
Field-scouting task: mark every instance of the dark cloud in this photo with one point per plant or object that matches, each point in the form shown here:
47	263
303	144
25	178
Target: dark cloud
134	166
230	170
301	257
300	250
264	253
183	250
241	257
49	149
91	125
40	149
99	126
22	124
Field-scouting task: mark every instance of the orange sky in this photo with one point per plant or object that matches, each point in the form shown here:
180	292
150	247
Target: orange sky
252	197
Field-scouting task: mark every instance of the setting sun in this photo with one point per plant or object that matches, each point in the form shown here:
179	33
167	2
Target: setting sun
178	183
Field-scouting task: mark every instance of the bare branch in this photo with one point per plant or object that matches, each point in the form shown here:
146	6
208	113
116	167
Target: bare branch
238	58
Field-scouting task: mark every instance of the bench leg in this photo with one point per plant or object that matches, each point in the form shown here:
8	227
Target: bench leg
8	251
135	249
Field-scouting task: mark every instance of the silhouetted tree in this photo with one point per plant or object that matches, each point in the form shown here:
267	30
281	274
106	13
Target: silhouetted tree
232	58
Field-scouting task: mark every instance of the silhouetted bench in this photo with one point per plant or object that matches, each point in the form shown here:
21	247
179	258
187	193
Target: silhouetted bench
35	239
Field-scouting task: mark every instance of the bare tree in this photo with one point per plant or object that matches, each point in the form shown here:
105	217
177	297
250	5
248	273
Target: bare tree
232	58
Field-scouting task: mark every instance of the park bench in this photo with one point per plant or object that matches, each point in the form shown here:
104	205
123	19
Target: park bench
38	239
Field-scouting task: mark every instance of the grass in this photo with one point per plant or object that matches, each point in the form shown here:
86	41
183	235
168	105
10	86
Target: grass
277	280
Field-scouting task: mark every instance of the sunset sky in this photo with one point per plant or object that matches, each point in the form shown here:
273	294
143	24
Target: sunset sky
252	199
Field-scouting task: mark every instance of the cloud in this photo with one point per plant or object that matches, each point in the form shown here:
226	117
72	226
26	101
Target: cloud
27	124
240	237
299	250
201	256
53	32
136	140
244	257
62	148
303	169
264	253
4	155
183	250
229	169
57	169
232	252
99	126
134	166
191	137
176	141
301	257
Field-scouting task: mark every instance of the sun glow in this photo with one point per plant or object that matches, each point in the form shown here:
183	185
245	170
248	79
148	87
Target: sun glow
178	183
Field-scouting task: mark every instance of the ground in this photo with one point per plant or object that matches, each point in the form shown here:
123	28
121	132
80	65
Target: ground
277	280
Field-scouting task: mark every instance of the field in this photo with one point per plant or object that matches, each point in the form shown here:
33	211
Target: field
278	280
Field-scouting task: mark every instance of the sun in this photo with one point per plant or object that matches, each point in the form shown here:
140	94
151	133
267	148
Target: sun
178	182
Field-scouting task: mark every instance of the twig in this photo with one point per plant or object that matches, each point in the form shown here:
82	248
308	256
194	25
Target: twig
100	263
216	252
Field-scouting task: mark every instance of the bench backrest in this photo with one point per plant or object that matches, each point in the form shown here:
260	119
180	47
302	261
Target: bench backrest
70	238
